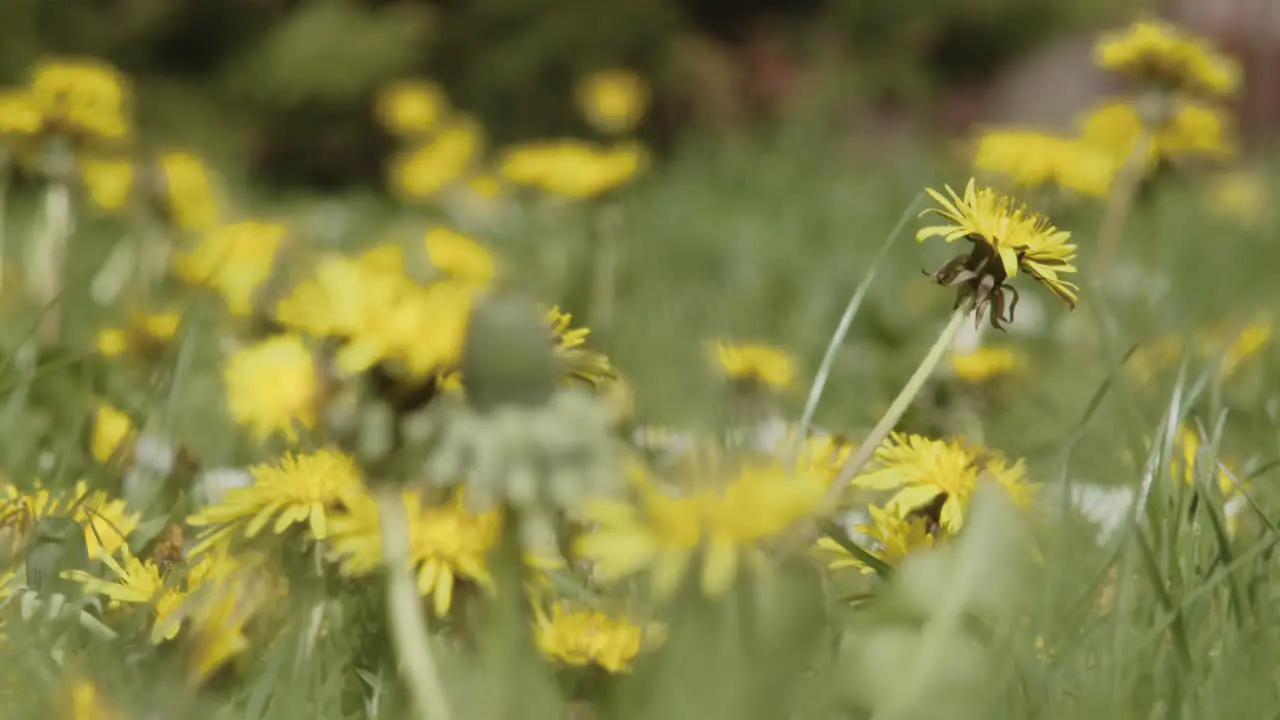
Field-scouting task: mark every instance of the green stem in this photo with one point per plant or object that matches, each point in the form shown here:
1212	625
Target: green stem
5	176
404	609
1123	190
897	409
51	258
604	279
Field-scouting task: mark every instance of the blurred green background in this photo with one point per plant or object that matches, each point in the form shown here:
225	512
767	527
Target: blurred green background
282	89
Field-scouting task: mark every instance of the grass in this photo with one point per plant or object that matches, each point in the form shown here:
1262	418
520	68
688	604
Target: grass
1174	615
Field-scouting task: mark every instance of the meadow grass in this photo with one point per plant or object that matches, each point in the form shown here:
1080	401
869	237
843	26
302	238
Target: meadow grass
1172	615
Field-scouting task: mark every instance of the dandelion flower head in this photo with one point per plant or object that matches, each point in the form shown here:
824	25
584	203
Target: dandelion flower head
107	521
273	386
893	533
613	101
235	260
411	107
584	638
1160	53
82	97
751	362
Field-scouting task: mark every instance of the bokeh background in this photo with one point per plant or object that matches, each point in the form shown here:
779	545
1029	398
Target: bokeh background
281	90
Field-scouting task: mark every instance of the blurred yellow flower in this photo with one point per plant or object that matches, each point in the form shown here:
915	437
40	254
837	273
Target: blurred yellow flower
745	362
1031	159
894	535
448	543
922	470
1243	196
725	522
1194	129
1255	337
422	328
1161	54
985	363
84	97
613	101
112	429
585	638
997	225
411	107
1186	464
109	183
106	520
485	185
19	115
235	260
581	363
573	169
273	386
85	701
460	257
219	611
421	172
299	488
188	192
145	333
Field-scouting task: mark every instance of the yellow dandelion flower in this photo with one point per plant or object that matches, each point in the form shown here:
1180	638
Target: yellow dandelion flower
218	614
920	470
421	172
330	303
411	107
107	521
108	182
763	364
1193	130
82	97
1160	53
585	638
188	192
300	488
573	169
894	534
273	386
613	101
1031	159
19	115
448	543
112	431
422	328
137	582
664	532
459	256
985	363
1247	344
1186	463
235	260
1006	237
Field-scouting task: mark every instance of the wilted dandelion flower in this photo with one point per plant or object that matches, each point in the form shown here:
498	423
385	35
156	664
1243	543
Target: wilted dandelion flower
985	363
108	182
1006	237
273	386
722	521
923	471
419	173
590	638
459	256
107	521
894	534
300	488
765	365
1162	55
81	97
1193	130
235	260
411	107
188	192
613	101
448	543
112	430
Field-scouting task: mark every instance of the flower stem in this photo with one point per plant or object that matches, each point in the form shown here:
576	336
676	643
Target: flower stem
50	258
604	279
408	631
1124	189
896	410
